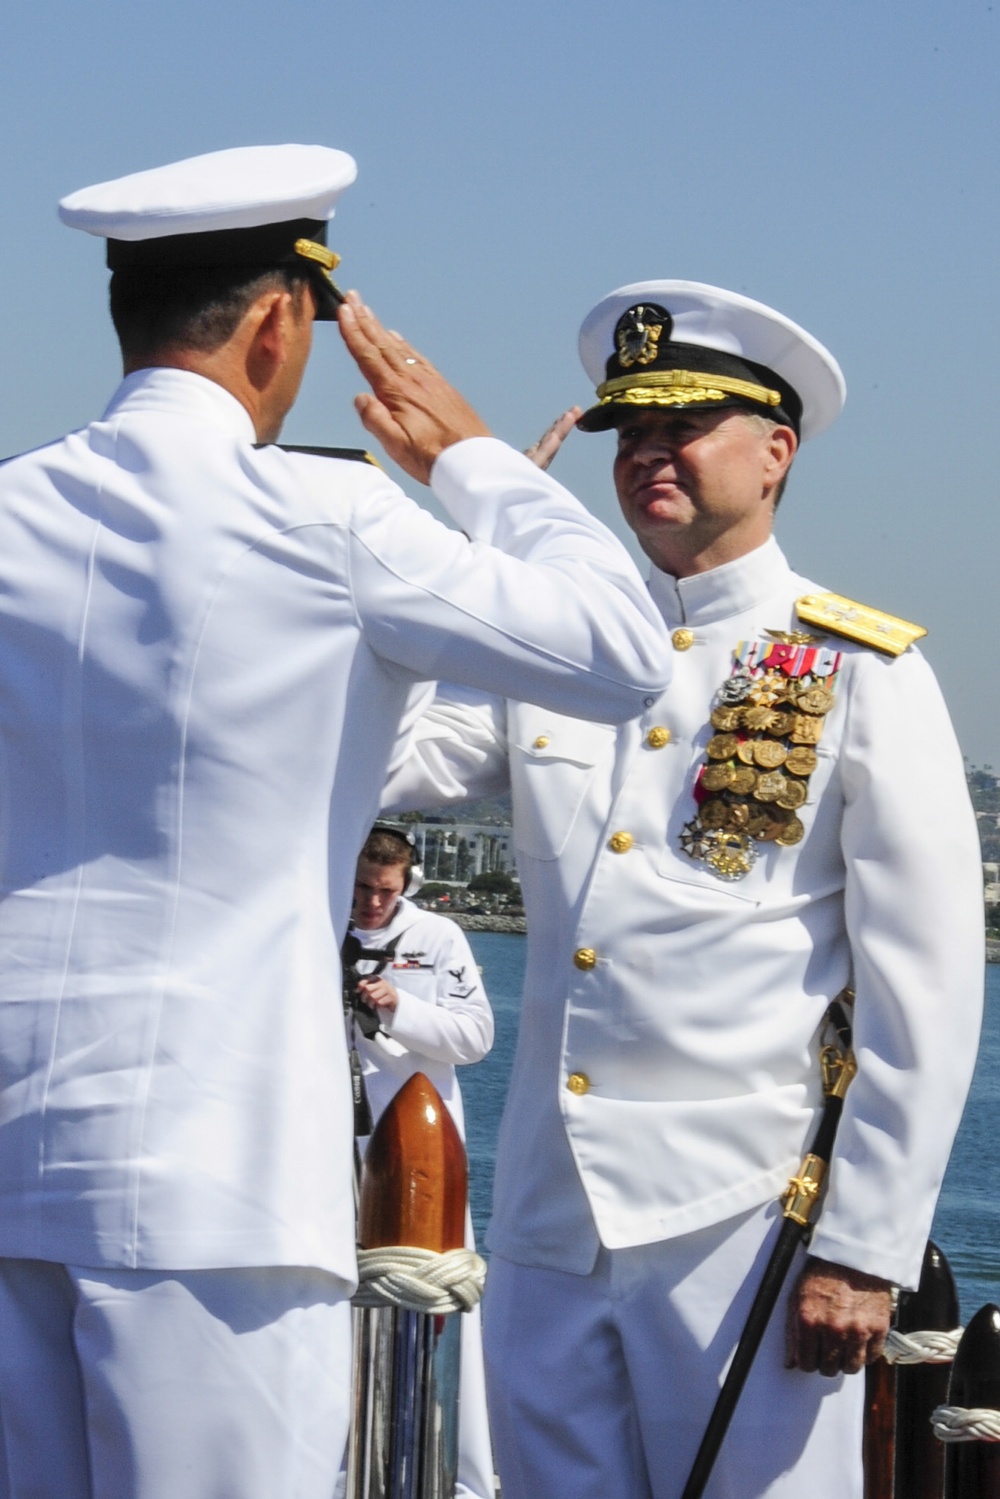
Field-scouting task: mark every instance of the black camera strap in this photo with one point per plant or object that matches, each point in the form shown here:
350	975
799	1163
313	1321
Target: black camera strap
363	1018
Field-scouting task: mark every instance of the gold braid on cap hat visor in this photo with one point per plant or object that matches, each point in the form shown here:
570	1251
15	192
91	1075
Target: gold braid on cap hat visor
681	388
310	250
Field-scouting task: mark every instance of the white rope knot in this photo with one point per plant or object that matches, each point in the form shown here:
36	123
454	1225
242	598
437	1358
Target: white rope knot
921	1347
418	1280
952	1423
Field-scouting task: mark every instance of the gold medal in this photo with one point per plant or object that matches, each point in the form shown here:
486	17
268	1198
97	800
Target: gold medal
744	780
758	717
771	823
770	786
714	814
721	747
802	760
744	751
793	795
791	833
781	723
726	719
739	815
814	700
718	776
768	753
764	828
806	730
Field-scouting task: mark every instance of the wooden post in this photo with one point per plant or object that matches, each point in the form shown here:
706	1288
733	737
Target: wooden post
920	1388
879	1443
415	1179
972	1469
404	1427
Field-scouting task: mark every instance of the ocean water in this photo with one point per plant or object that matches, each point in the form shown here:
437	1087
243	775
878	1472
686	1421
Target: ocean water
967	1224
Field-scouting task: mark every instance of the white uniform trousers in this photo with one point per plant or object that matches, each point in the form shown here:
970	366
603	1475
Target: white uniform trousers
206	1384
475	1450
601	1385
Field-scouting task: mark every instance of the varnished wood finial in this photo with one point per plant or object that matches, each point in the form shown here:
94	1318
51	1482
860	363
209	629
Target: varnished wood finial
414	1180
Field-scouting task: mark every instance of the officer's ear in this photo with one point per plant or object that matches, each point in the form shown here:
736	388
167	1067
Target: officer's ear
268	324
781	446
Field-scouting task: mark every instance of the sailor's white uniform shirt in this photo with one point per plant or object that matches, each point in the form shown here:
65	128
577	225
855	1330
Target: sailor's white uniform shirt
204	652
442	1018
666	1076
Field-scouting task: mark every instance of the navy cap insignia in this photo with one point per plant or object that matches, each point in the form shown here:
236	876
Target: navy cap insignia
638	333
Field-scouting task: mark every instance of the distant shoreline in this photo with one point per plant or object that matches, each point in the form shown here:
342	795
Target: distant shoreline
514	926
992	951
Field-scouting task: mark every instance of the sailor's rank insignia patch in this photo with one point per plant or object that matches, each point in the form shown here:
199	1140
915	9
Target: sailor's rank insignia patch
840	616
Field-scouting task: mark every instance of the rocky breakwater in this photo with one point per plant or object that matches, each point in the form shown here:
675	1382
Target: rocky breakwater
515	925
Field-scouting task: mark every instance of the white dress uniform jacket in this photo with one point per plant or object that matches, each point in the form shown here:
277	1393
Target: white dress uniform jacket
672	1085
204	652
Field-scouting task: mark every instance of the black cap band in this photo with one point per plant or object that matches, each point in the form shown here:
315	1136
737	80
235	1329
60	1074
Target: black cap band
264	247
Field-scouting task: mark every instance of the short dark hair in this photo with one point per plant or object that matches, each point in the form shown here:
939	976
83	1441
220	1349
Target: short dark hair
153	307
387	846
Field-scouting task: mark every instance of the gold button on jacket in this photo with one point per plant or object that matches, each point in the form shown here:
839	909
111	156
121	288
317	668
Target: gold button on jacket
658	736
585	958
683	640
541	742
578	1082
620	843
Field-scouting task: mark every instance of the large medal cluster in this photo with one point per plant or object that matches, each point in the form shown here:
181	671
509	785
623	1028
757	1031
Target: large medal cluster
755	776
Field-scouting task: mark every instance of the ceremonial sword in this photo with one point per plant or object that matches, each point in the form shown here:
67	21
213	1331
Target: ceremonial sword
798	1204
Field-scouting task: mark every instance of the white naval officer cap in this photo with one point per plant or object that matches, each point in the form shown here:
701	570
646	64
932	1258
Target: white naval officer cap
685	344
260	206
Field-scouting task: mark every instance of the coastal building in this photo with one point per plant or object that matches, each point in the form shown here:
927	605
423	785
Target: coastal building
460	850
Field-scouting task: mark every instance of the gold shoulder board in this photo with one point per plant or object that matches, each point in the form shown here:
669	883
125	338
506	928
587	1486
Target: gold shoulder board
855	621
354	455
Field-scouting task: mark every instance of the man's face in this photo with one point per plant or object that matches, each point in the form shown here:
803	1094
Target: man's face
697	487
377	888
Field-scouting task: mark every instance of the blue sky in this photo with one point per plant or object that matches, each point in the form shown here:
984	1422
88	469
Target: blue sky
517	161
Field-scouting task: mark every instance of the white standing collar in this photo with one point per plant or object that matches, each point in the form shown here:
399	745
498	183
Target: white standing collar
184	393
723	591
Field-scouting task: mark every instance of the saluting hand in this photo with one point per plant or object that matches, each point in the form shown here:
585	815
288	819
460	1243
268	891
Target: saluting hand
837	1319
545	449
412	411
